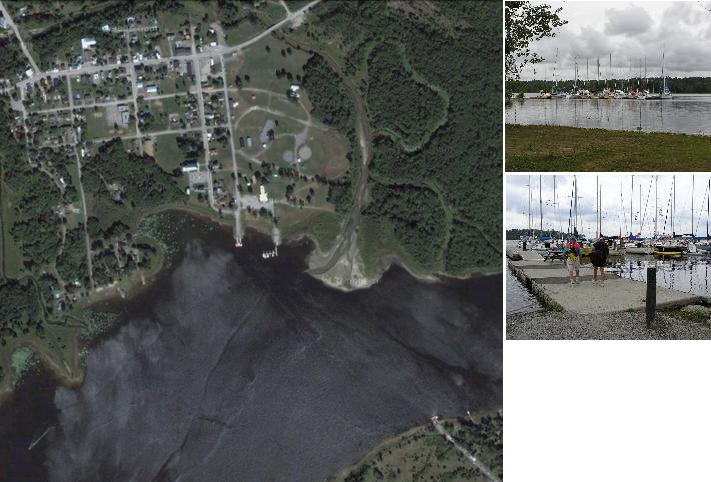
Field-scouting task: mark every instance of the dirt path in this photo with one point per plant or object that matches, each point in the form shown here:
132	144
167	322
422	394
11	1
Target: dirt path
364	139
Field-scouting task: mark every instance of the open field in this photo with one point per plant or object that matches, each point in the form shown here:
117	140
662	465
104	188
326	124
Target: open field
257	67
324	226
103	122
556	148
167	153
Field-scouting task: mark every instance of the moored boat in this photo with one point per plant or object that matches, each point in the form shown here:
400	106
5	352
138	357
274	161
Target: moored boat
668	250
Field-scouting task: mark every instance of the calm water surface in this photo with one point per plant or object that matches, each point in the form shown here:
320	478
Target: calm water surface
686	113
230	367
690	274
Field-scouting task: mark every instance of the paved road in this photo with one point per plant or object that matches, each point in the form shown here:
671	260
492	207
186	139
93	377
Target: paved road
222	50
83	198
12	25
105	104
468	455
134	83
228	112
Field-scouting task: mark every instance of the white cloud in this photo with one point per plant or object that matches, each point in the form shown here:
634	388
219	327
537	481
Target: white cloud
617	192
631	32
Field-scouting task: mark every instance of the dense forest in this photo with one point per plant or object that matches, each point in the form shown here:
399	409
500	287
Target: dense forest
14	62
456	47
397	103
417	217
334	107
679	85
115	176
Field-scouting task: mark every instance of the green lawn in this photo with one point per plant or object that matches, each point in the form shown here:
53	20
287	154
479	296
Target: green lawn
324	226
167	153
555	148
260	66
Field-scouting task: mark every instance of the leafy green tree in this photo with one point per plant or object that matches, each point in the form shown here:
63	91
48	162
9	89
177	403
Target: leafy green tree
526	23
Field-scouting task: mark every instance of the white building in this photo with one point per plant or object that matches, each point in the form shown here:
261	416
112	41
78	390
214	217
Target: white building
263	195
189	166
88	43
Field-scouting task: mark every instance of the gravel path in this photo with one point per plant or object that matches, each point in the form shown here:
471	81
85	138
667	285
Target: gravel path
550	325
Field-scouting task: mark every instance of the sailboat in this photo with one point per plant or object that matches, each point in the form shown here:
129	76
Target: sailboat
634	244
705	246
666	93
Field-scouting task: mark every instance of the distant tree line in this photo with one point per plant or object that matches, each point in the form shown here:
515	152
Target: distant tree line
679	85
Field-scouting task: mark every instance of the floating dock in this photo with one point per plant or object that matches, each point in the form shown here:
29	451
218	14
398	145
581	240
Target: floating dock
548	280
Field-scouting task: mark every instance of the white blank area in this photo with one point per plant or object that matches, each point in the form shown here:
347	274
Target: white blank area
607	411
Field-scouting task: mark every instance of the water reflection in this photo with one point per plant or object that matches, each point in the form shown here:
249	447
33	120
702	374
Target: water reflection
686	113
689	274
518	298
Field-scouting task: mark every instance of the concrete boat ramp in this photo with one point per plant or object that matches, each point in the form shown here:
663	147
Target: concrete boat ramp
549	281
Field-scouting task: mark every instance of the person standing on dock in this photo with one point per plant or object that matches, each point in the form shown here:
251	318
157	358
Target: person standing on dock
572	253
599	259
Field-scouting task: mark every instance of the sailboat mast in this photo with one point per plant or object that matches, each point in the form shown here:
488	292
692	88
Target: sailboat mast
555	204
631	197
692	207
575	210
575	83
673	205
610	69
664	76
656	203
529	205
540	199
555	67
640	209
708	208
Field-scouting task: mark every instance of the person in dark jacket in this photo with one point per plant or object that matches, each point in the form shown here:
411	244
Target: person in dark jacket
599	259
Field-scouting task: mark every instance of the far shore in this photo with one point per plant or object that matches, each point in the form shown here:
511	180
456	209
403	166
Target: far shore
561	148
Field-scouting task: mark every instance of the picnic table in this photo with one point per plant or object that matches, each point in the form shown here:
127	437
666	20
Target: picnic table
554	254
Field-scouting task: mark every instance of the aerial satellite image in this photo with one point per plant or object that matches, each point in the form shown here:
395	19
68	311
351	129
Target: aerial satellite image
251	240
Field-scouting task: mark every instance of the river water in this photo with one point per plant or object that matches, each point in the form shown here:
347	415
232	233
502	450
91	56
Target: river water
690	274
686	113
230	367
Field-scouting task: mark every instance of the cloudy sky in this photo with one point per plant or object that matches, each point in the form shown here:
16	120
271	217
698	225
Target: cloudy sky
615	202
630	31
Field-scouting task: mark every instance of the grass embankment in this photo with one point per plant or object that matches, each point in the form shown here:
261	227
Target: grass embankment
558	148
423	454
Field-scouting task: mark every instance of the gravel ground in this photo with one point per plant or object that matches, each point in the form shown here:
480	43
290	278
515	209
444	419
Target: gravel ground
550	325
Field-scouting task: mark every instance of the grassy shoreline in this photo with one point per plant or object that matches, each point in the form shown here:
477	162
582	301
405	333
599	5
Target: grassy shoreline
560	148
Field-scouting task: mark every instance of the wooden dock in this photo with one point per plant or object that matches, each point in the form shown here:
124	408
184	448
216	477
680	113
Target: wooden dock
548	280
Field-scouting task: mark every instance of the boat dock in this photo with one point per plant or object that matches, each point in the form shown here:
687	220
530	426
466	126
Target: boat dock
548	280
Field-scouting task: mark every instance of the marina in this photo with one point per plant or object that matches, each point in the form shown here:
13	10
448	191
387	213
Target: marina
643	221
684	114
548	280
